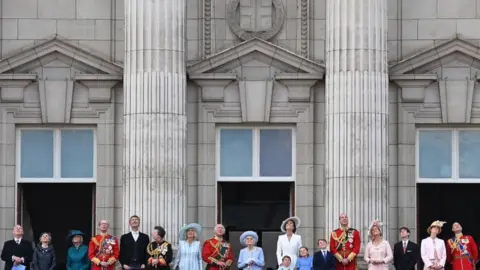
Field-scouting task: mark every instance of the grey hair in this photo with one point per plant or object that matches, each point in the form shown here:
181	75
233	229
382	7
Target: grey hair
49	237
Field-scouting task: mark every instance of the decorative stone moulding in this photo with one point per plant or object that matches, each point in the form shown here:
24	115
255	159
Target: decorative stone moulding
99	85
213	85
299	85
55	100
456	98
13	85
413	85
255	95
246	34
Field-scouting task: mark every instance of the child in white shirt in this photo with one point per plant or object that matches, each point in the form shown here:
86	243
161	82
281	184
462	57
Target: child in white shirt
286	264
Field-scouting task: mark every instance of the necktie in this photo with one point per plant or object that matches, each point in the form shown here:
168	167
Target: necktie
325	255
18	242
404	246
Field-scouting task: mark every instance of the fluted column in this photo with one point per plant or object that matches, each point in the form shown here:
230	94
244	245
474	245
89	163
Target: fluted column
155	118
356	113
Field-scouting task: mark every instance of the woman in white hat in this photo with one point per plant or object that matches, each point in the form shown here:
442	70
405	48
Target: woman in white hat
251	257
189	254
289	243
378	252
433	249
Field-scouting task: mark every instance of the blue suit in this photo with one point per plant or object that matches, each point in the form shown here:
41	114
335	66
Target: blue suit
321	263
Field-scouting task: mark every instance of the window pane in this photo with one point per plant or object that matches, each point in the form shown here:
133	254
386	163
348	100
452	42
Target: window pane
77	153
36	154
236	152
469	153
435	154
276	153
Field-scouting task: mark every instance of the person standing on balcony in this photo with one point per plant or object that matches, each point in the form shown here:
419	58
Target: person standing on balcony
345	245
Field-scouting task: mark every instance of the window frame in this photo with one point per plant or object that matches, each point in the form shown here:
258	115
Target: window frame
454	162
57	158
255	156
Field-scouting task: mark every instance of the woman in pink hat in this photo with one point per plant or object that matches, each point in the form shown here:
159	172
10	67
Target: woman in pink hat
378	253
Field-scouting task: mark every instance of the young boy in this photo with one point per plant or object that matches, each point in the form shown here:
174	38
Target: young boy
286	263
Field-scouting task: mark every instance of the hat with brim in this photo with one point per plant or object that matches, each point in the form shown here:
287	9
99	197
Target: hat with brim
295	220
246	234
436	223
184	229
74	233
375	223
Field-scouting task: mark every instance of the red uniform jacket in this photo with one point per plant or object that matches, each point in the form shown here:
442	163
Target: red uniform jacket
103	248
345	244
217	251
462	252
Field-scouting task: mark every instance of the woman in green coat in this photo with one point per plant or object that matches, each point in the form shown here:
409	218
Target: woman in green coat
77	255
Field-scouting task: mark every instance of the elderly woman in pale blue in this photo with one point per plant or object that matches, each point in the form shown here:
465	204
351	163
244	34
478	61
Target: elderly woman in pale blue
189	254
251	257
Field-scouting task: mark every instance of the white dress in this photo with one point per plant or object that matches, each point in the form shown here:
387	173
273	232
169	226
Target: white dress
288	247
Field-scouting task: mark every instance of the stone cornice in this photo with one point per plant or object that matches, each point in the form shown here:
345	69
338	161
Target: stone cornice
65	48
298	85
99	85
413	85
213	85
271	51
437	52
12	86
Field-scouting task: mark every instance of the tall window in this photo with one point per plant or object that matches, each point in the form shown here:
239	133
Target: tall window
55	155
256	154
448	155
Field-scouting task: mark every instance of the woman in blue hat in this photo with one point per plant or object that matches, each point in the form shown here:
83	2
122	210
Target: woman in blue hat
189	254
77	255
251	257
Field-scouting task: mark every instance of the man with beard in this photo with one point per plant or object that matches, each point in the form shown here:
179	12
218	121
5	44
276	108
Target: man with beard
345	245
217	252
462	251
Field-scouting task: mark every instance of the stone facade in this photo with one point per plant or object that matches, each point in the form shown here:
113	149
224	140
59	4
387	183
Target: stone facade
63	64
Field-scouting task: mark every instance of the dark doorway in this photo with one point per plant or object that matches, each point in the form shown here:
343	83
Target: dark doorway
58	208
259	207
450	203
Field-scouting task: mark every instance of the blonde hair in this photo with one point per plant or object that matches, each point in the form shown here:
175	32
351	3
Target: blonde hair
194	233
79	236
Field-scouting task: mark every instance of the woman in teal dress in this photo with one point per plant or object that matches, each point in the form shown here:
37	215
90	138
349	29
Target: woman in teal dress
77	255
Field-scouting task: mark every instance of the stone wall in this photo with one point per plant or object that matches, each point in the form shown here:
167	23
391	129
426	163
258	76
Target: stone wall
94	25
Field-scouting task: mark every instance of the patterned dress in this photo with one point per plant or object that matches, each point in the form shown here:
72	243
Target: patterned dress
189	256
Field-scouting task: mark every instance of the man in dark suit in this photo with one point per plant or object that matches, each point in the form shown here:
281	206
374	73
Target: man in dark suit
323	259
17	251
405	253
133	247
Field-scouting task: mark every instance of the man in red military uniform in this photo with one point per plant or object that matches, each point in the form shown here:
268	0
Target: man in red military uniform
345	245
103	249
217	252
462	250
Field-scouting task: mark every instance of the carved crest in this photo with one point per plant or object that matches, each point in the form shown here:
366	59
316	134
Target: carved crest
256	18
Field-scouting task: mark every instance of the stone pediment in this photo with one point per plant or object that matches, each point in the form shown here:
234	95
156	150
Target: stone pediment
57	49
57	80
243	54
441	55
